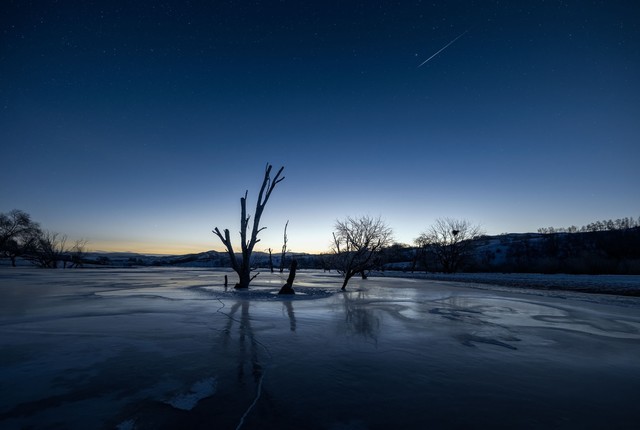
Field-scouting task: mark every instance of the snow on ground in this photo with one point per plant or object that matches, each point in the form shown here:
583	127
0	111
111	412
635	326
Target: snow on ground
198	391
167	348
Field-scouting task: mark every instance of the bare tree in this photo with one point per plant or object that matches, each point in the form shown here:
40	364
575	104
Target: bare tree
450	241
78	253
284	248
242	266
17	234
287	288
356	242
270	251
421	254
50	249
325	262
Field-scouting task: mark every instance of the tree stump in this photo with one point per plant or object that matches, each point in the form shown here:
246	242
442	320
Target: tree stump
288	287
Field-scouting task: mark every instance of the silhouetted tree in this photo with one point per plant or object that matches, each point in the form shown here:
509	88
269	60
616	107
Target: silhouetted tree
50	249
77	253
356	242
242	266
451	241
422	243
287	288
325	262
604	225
270	251
18	234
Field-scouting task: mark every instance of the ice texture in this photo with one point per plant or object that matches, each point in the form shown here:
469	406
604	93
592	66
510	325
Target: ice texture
165	348
200	390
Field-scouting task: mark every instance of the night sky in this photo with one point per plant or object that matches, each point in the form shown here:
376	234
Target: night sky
138	125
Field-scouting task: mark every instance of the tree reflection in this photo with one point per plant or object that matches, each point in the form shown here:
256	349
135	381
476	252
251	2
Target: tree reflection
247	343
292	316
250	349
360	318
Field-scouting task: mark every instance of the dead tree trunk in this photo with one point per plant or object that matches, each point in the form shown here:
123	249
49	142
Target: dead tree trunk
242	265
284	248
288	287
270	260
346	281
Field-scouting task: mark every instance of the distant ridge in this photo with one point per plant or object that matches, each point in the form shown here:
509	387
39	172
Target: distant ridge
590	252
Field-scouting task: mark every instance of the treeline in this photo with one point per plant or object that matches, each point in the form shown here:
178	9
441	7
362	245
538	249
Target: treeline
21	237
595	252
604	225
590	252
449	245
600	252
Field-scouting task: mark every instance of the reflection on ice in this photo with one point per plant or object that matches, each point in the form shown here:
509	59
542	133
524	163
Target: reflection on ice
168	349
512	313
360	317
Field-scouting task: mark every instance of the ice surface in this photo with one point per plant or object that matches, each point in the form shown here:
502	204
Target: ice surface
170	348
200	390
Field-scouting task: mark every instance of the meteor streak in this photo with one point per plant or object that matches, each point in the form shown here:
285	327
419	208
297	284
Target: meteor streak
442	49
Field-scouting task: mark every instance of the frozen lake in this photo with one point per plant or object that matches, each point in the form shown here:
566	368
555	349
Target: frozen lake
170	348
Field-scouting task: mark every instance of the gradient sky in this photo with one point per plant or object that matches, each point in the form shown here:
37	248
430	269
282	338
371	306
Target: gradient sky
138	125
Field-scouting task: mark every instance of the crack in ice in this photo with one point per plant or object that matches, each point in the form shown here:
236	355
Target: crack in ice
264	372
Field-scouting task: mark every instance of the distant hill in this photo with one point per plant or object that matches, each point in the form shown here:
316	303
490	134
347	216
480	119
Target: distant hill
201	259
591	252
597	252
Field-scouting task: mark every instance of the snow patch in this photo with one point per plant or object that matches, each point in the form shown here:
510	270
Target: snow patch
200	390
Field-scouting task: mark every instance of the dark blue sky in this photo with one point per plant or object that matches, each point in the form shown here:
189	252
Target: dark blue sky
138	125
